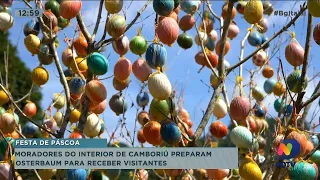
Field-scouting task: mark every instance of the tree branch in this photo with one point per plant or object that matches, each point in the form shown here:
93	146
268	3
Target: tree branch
301	11
314	96
83	28
98	21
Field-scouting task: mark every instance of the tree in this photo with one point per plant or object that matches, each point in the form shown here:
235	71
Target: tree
86	65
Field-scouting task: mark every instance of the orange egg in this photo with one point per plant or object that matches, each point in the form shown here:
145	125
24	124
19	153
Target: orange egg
226	47
151	132
225	12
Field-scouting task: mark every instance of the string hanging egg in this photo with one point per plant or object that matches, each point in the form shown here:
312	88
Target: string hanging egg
120	85
167	31
185	41
159	86
253	11
113	6
79	63
97	63
138	44
70	9
151	132
7	123
316	33
77	85
255	38
31	27
121	45
92	126
142	99
294	81
187	22
279	89
96	91
159	109
269	85
260	110
58	101
294	52
218	129
118	104
30	109
32	44
225	12
264	24
267	71
163	7
74	116
241	137
40	76
29	129
80	45
116	26
122	69
279	105
6	21
189	6
45	56
239	108
156	55
67	57
220	108
50	124
249	169
170	132
260	58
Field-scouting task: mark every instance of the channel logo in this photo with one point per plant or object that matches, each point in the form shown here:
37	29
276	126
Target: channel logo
288	149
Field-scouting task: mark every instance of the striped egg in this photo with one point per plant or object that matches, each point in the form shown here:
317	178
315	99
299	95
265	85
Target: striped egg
220	108
239	108
122	69
170	132
260	58
241	137
159	86
29	129
168	31
78	174
77	85
269	85
156	55
92	126
142	99
96	91
141	69
121	45
257	93
302	170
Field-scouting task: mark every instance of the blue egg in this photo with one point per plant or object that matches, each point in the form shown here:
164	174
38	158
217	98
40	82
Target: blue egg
170	132
31	27
289	110
163	7
156	55
29	130
142	99
269	85
77	85
76	174
302	170
189	6
314	140
255	38
259	111
211	44
67	73
279	105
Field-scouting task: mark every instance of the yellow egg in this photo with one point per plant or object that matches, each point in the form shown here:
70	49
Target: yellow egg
3	98
279	89
314	8
75	116
249	170
82	64
253	11
32	43
40	76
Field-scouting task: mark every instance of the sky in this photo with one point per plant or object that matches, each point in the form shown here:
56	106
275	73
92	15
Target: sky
180	67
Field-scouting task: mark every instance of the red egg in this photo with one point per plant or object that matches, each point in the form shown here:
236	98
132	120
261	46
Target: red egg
217	174
96	91
50	19
30	109
294	53
187	22
168	31
316	33
122	69
141	69
70	9
226	47
121	45
140	136
213	59
200	58
233	31
251	122
218	129
239	108
151	132
76	135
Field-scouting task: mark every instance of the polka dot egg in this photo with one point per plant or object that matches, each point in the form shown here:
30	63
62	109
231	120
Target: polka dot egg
260	58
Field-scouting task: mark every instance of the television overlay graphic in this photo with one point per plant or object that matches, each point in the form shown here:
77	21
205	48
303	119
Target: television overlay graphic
287	150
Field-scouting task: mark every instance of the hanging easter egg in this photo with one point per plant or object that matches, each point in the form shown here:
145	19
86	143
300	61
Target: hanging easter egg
159	109
118	104
249	169
45	56
79	63
159	86
279	105
313	7
302	170
302	140
156	55
239	108
62	22
289	109
279	89
170	132
259	110
253	11
267	8
257	93
116	25
294	53
92	126
267	71
200	58
225	12
58	117
53	6
141	137
113	6
143	118
74	116
76	134
122	69
201	38
31	27
78	174
220	108
315	140
163	7
70	9
7	123
142	99
96	91
76	85
206	25
32	43
214	80
167	31
6	21
260	58
151	132
211	44
97	63
187	22
294	81
269	85
316	33
138	45
67	57
99	109
80	45
226	47
4	98
30	109
40	76
120	85
315	157
240	6
218	129
59	101
213	59
189	6
50	20
29	129
233	31
185	41
255	38
217	173
51	124
121	45
141	69
264	24
241	137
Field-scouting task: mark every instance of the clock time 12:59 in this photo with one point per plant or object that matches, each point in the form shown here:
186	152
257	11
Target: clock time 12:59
28	12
